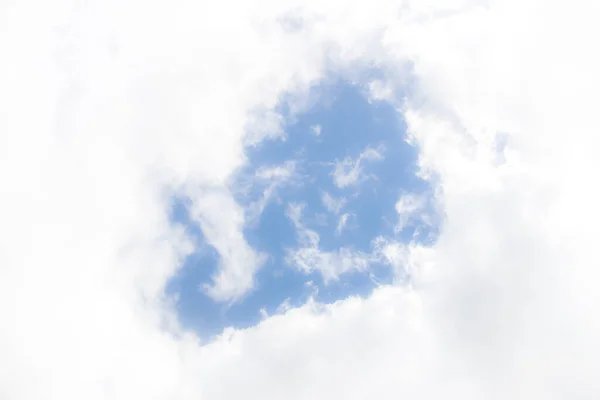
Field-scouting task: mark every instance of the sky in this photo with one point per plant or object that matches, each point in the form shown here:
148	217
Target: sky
346	168
299	199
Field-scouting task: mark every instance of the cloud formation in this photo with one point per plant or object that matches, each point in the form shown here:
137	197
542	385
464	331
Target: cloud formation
342	221
108	108
350	172
309	257
332	204
270	179
222	222
414	210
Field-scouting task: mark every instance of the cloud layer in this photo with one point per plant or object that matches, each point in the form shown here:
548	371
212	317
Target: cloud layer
107	110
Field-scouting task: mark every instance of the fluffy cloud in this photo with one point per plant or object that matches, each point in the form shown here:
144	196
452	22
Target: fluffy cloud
222	222
107	109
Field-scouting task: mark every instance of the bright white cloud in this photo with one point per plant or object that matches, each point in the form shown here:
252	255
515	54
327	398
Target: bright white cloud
102	108
222	222
408	261
349	171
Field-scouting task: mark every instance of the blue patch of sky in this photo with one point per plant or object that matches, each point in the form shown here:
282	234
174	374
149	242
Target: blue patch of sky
348	123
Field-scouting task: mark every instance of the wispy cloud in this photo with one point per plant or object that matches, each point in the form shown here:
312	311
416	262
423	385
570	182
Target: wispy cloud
332	204
271	178
410	207
342	221
408	260
316	130
308	257
276	173
349	171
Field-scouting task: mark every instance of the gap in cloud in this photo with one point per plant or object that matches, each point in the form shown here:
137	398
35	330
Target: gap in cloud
195	310
343	135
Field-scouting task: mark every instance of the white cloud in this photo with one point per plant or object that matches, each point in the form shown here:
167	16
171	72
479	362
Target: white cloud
381	90
316	130
412	210
308	257
349	171
101	108
409	261
294	213
330	264
272	178
278	173
342	221
408	204
332	204
222	222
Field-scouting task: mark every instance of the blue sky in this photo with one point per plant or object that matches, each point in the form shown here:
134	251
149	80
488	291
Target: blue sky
345	165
